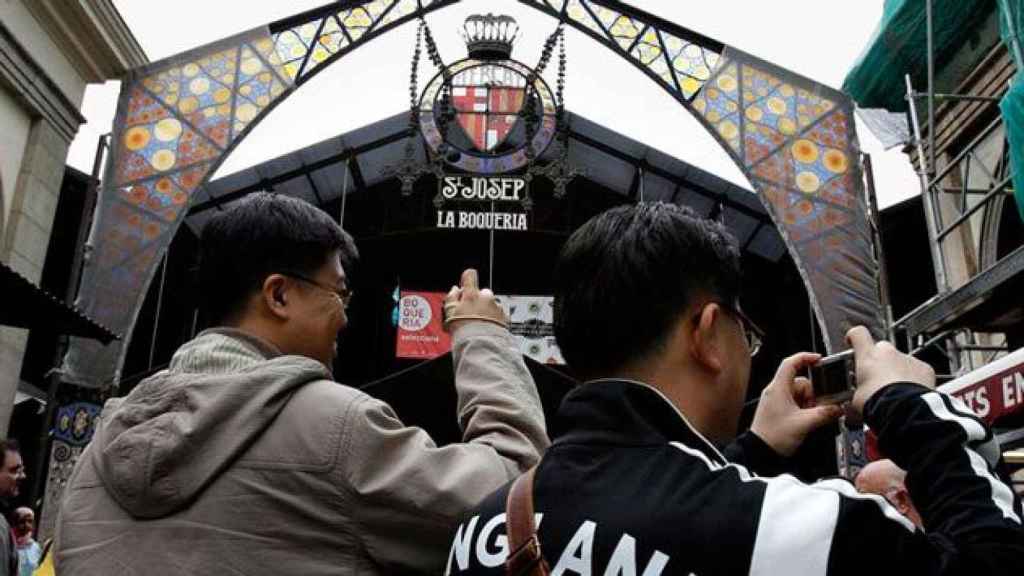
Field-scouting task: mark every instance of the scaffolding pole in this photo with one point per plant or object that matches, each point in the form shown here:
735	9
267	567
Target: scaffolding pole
923	174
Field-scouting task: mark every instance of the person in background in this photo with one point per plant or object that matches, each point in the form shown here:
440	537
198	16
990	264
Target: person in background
12	474
885	478
29	551
245	456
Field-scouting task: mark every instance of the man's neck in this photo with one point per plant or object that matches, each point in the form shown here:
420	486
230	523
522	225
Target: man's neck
687	391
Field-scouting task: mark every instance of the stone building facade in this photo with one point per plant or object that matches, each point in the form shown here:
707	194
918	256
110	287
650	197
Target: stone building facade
49	51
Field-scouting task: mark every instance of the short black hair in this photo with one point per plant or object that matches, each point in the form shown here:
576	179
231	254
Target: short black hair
623	278
261	235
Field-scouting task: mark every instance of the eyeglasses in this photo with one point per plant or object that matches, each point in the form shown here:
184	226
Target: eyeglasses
753	334
344	294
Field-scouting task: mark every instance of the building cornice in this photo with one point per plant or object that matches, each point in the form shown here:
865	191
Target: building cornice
35	88
92	36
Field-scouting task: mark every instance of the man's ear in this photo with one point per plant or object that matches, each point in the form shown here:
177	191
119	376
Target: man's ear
903	503
274	294
705	342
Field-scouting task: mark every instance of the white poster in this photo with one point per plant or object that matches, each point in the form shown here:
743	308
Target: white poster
532	323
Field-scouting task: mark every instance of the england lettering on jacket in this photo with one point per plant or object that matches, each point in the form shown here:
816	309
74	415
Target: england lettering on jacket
487	545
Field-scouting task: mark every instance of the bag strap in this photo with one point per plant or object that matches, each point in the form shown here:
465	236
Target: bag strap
526	558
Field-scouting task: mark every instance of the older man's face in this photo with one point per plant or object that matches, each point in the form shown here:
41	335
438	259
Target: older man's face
25	522
11	475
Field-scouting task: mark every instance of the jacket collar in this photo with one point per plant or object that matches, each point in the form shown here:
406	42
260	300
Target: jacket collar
628	413
222	350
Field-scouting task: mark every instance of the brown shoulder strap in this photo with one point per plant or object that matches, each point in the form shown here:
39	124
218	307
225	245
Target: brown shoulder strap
525	558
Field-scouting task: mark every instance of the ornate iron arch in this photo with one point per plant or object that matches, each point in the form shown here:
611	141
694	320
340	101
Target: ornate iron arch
179	118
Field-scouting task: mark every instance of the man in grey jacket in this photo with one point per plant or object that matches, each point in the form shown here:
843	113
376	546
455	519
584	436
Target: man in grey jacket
245	457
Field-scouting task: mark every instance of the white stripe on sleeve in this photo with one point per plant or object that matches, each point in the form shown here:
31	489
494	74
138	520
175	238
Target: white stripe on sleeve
794	533
1002	497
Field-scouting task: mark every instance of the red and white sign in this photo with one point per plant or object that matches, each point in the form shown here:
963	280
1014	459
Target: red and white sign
421	332
994	390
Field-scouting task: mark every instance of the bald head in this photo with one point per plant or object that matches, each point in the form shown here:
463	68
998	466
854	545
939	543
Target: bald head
880	476
885	478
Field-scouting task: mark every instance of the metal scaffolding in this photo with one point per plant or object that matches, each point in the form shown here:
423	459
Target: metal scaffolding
938	322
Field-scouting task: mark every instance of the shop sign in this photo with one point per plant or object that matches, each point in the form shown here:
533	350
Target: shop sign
467	202
421	332
994	390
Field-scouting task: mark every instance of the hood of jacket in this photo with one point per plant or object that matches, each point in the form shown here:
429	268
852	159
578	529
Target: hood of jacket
159	447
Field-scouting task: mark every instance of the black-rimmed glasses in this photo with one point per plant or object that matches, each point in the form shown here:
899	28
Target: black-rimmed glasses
344	294
754	334
751	331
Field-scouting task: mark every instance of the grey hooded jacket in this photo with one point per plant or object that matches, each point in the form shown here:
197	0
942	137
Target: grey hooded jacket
237	460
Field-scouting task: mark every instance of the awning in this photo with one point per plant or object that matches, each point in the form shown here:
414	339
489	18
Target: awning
899	47
26	305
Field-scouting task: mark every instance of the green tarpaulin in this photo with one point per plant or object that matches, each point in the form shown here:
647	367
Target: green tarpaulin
899	45
1011	24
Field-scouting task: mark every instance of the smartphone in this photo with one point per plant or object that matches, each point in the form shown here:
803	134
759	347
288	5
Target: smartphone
834	378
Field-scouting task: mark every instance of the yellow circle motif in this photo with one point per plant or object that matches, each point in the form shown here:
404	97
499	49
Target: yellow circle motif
690	85
835	161
748	96
188	105
777	105
224	109
714	116
228	78
728	130
754	114
787	126
700	105
263	100
245	90
136	138
731	106
265	77
808	182
199	86
190	69
251	66
702	72
786	90
713	94
246	112
727	83
167	130
692	51
805	151
222	95
162	160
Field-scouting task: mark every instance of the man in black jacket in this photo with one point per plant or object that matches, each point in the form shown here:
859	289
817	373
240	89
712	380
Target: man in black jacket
646	309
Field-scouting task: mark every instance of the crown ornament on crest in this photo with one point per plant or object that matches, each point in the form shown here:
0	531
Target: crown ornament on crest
490	37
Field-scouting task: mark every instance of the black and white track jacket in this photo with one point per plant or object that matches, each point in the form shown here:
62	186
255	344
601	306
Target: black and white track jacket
633	489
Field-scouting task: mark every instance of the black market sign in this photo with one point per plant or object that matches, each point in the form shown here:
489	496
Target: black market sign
472	202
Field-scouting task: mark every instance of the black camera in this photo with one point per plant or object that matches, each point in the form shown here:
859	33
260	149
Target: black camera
834	378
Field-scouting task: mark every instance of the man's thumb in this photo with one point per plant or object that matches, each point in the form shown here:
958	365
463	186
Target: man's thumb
819	416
